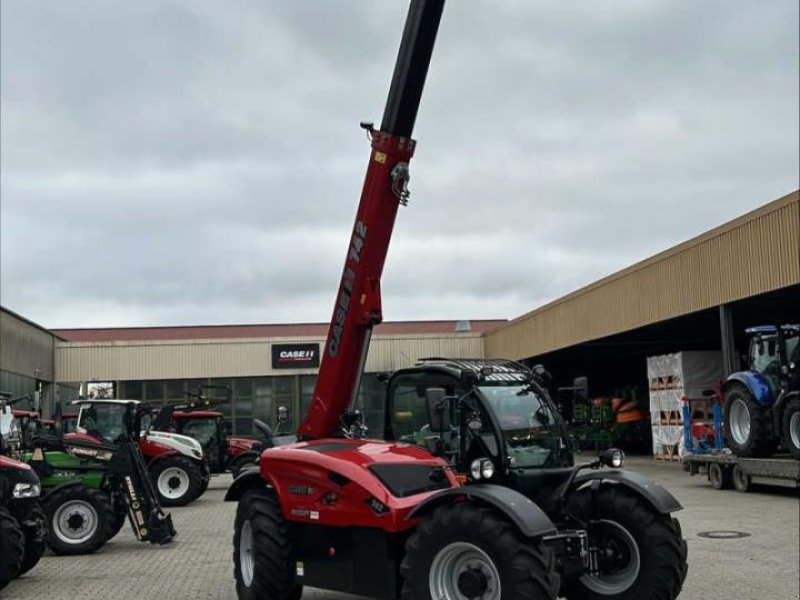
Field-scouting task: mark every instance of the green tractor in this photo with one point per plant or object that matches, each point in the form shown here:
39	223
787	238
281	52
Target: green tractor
90	488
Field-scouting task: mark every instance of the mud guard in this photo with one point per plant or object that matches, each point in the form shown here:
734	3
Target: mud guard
250	477
660	499
522	511
47	492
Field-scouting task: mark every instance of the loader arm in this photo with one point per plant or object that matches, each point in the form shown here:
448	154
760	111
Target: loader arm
357	308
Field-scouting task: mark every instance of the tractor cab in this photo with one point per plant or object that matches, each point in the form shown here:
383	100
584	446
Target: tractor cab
774	353
208	427
493	420
108	421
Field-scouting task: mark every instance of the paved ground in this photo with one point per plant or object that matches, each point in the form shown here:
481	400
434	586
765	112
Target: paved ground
198	566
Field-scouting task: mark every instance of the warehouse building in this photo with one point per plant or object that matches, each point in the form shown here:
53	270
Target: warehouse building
699	295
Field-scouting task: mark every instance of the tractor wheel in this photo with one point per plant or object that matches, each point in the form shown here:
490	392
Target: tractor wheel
120	516
640	553
35	540
242	462
740	479
11	547
719	476
791	428
467	551
177	480
262	554
747	424
79	519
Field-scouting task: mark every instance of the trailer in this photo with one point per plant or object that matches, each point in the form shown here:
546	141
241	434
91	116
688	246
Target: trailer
725	470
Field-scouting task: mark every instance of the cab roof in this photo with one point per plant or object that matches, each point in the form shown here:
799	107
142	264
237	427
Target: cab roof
790	329
105	401
502	369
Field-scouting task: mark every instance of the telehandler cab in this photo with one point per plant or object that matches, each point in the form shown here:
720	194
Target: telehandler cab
437	511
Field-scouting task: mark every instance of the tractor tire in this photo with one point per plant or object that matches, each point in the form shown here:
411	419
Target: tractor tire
79	520
12	544
791	428
747	424
177	480
464	550
719	476
120	517
262	553
35	540
740	479
242	462
643	553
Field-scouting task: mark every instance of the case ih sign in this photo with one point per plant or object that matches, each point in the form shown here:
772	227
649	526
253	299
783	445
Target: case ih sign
295	356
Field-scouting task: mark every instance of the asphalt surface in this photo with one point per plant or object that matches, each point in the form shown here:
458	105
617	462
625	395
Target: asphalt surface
198	564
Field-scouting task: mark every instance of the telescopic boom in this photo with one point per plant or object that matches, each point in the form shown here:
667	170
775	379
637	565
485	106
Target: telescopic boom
357	308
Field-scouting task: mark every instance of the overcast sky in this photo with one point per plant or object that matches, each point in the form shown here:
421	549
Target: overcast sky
200	162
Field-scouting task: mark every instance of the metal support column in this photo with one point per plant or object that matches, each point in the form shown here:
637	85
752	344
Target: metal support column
729	359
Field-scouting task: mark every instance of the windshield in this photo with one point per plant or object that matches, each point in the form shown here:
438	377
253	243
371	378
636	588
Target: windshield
104	421
528	424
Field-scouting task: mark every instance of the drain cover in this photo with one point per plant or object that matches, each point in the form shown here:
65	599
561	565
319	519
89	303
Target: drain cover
723	535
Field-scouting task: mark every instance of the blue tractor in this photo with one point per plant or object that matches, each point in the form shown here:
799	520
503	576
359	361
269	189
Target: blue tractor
762	404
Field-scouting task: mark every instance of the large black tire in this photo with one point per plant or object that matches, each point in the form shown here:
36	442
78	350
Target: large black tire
791	428
758	440
79	520
11	547
240	462
262	551
177	480
35	540
120	516
473	551
653	569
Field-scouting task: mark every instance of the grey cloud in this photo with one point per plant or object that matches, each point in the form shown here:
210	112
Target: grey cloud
183	162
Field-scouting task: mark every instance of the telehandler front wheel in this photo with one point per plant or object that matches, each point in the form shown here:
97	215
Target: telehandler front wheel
79	518
262	553
640	554
11	547
468	551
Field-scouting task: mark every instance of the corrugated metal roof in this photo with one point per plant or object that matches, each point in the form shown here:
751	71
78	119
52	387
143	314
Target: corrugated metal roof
276	330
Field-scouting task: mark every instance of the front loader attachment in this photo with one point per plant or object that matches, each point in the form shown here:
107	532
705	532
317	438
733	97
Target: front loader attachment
126	466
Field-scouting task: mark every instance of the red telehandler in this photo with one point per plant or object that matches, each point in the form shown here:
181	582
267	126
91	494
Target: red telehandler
471	492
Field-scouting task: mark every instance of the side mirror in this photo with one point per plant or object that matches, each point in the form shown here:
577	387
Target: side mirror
581	388
283	414
438	409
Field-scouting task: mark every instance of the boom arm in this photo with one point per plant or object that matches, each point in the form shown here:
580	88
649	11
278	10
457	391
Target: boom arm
358	302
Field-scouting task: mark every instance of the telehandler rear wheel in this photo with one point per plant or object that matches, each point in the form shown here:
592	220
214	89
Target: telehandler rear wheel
79	519
468	551
640	553
262	553
11	547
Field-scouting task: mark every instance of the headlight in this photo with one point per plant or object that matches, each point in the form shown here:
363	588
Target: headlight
481	468
617	459
26	490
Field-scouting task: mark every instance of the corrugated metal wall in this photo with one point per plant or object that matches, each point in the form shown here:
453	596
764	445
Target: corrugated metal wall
116	361
25	348
753	254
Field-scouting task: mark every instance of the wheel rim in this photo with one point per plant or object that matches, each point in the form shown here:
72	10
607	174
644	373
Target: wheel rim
462	571
173	482
75	522
794	429
246	562
619	561
740	478
715	474
740	421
